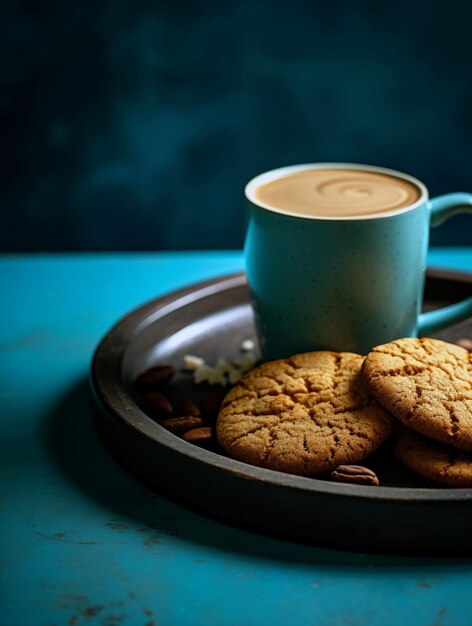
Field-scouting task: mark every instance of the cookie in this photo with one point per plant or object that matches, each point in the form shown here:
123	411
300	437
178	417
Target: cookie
432	460
304	415
427	385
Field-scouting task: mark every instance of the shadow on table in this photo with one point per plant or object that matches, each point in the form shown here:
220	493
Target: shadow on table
73	442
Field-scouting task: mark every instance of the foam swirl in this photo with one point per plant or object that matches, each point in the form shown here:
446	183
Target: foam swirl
337	193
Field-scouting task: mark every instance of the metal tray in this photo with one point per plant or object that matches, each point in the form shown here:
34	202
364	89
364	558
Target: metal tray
404	515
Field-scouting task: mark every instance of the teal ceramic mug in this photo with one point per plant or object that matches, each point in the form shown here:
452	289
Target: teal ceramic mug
345	283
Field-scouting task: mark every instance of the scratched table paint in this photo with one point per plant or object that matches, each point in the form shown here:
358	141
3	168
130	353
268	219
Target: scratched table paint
85	543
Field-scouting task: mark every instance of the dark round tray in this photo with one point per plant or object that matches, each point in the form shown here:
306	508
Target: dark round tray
405	514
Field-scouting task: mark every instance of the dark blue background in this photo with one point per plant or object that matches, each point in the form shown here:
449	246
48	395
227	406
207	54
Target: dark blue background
134	125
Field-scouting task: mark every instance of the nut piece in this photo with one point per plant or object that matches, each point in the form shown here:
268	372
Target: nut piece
465	343
192	362
354	474
180	425
213	375
158	403
187	407
246	362
248	345
211	403
155	377
199	436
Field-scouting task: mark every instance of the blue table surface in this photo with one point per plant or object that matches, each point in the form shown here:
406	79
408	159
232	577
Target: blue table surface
85	543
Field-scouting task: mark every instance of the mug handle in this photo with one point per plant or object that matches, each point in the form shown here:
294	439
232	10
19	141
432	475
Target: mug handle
442	208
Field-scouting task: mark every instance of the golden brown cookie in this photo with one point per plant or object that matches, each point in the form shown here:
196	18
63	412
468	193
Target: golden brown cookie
435	461
303	415
427	385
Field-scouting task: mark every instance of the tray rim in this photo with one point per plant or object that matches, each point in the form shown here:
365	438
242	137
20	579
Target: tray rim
110	393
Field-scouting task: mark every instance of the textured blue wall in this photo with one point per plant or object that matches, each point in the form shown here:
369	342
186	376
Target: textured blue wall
134	125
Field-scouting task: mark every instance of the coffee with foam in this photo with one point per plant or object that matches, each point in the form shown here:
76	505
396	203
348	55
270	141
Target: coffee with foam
334	192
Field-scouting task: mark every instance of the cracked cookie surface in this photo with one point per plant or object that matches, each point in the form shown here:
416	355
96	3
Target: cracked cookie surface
432	460
304	415
427	385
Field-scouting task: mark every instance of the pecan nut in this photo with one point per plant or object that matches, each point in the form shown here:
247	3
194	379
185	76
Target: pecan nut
354	474
187	407
180	425
211	403
155	377
158	404
199	436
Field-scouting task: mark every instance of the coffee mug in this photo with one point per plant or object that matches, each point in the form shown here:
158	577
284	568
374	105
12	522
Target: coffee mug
343	284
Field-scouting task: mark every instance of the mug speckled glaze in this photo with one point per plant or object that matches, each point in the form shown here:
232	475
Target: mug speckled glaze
343	283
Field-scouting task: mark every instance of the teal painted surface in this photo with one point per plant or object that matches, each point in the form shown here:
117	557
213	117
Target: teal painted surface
84	543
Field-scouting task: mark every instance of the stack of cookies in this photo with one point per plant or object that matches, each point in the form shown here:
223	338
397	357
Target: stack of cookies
426	384
313	412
